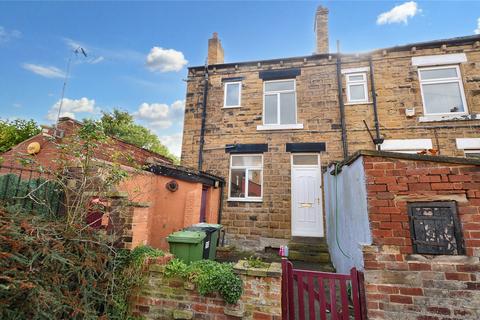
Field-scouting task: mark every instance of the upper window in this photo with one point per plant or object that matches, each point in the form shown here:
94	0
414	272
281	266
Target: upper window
246	177
357	88
233	94
442	90
280	102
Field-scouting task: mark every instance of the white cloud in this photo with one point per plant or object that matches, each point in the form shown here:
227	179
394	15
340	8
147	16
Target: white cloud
165	60
44	71
70	107
173	143
399	14
95	60
7	35
160	115
477	31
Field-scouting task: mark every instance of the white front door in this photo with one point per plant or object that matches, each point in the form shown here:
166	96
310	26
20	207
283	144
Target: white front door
307	218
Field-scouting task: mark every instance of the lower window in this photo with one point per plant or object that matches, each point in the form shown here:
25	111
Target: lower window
434	228
246	177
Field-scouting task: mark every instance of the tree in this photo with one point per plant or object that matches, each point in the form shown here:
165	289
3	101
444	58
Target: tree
120	124
15	131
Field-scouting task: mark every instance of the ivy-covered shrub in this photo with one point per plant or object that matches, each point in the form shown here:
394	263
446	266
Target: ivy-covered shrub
209	277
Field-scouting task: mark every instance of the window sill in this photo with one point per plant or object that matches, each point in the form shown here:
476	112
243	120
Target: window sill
234	107
354	103
449	117
243	200
280	127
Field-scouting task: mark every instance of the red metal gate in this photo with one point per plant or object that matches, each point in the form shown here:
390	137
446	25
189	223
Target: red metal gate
321	295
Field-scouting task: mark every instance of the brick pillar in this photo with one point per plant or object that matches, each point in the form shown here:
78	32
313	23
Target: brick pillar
215	50
321	30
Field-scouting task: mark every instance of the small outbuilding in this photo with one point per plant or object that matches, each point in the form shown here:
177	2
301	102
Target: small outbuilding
412	224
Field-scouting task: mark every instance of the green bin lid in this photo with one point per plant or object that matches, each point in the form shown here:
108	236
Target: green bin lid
208	225
186	236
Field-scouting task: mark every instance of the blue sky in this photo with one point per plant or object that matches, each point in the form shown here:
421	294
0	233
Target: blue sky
138	52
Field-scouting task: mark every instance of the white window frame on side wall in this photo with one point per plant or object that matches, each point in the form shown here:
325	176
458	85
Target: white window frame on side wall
468	145
226	84
278	125
350	83
247	168
406	145
457	79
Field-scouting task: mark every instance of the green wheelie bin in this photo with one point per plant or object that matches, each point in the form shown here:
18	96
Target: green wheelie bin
187	245
210	242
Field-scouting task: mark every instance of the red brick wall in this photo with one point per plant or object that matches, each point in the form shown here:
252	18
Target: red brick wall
114	150
171	298
403	285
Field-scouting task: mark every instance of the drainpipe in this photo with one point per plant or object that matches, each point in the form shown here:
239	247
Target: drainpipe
204	116
340	100
378	140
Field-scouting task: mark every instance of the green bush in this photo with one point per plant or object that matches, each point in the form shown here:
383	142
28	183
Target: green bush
209	277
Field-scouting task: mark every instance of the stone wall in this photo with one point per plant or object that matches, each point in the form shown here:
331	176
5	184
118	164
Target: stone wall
258	225
403	285
168	298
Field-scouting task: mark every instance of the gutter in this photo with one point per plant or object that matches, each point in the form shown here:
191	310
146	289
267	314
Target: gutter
204	116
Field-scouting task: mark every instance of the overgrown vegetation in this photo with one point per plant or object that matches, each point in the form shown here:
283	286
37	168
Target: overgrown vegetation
209	277
15	131
54	266
48	272
256	262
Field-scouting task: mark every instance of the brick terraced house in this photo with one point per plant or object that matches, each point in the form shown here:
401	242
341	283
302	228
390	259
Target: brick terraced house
271	126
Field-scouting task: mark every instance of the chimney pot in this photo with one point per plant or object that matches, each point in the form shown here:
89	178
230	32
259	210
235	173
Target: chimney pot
321	30
215	50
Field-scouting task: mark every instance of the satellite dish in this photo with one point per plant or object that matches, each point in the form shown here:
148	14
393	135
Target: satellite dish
33	148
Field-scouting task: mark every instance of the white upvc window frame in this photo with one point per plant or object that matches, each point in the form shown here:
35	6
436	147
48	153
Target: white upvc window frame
468	145
305	165
247	168
226	84
476	151
350	83
279	125
458	80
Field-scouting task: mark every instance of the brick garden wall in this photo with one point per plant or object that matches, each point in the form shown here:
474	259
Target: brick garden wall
403	285
164	298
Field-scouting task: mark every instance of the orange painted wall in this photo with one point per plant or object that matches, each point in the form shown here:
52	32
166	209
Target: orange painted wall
167	211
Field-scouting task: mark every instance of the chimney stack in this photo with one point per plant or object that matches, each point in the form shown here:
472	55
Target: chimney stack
321	30
215	50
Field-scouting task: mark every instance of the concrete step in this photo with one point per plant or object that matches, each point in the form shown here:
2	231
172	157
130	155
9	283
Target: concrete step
310	250
312	266
295	246
321	257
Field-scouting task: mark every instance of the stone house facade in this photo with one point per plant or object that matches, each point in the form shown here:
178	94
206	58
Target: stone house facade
279	122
